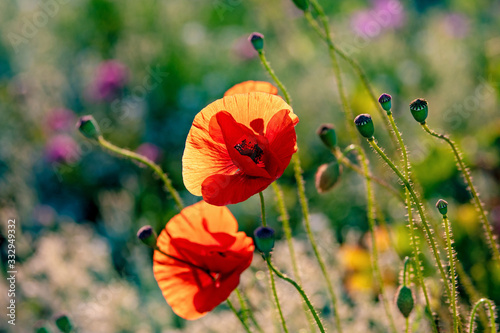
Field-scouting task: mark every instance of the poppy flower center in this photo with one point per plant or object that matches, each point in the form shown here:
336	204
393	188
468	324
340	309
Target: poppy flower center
251	149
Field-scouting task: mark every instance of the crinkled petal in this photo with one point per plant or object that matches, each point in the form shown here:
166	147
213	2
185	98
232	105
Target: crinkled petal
252	86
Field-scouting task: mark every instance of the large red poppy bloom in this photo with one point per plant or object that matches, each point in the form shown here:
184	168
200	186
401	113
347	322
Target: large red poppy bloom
201	256
238	146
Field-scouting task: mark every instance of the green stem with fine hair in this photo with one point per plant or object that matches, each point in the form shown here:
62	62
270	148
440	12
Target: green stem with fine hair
301	292
263	209
453	278
276	299
411	226
303	201
423	218
371	224
243	322
247	310
143	159
477	202
491	307
287	230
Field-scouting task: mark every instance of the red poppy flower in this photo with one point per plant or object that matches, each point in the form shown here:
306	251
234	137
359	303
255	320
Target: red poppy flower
201	257
252	86
238	146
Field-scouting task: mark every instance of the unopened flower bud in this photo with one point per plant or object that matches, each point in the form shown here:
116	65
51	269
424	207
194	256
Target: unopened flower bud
63	323
385	102
301	4
147	235
89	127
41	329
419	109
264	240
404	300
364	124
328	176
257	40
442	206
326	133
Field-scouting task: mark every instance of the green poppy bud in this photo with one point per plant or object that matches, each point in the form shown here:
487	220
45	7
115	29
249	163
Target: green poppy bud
385	102
442	206
419	109
89	127
41	329
328	176
301	4
364	124
404	300
327	134
264	240
257	40
147	235
63	323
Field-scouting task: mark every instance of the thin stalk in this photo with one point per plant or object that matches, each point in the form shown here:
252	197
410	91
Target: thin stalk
231	306
263	209
287	230
243	302
451	259
477	202
416	250
371	223
491	307
301	292
276	299
303	200
143	159
423	218
407	324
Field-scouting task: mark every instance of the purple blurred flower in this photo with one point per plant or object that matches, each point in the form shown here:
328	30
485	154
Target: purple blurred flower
243	49
62	148
111	77
61	120
384	15
456	25
149	150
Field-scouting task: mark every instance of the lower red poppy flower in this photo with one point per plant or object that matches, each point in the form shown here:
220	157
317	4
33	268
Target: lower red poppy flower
200	258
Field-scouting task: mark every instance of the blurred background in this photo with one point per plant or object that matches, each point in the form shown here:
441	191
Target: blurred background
144	69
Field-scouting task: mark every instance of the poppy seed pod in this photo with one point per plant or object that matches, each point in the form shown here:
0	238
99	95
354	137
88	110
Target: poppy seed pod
147	235
63	323
328	176
385	102
41	329
257	40
404	300
419	109
364	124
301	4
88	126
442	206
327	134
264	240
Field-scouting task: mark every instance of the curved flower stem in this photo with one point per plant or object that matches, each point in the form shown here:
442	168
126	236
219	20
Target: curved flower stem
303	201
143	159
477	202
276	299
327	38
231	306
287	230
263	209
491	307
371	223
423	218
301	292
416	250
451	259
244	310
243	302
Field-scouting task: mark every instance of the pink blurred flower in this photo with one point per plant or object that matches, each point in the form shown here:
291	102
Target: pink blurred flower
149	150
384	15
111	77
62	148
243	49
61	120
456	25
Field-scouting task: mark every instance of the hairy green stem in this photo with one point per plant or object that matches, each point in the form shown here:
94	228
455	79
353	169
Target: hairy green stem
371	223
276	299
491	308
301	292
143	159
477	202
453	278
243	302
269	69
423	218
231	306
263	209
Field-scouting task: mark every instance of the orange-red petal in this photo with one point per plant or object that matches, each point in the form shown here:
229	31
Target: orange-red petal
252	86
